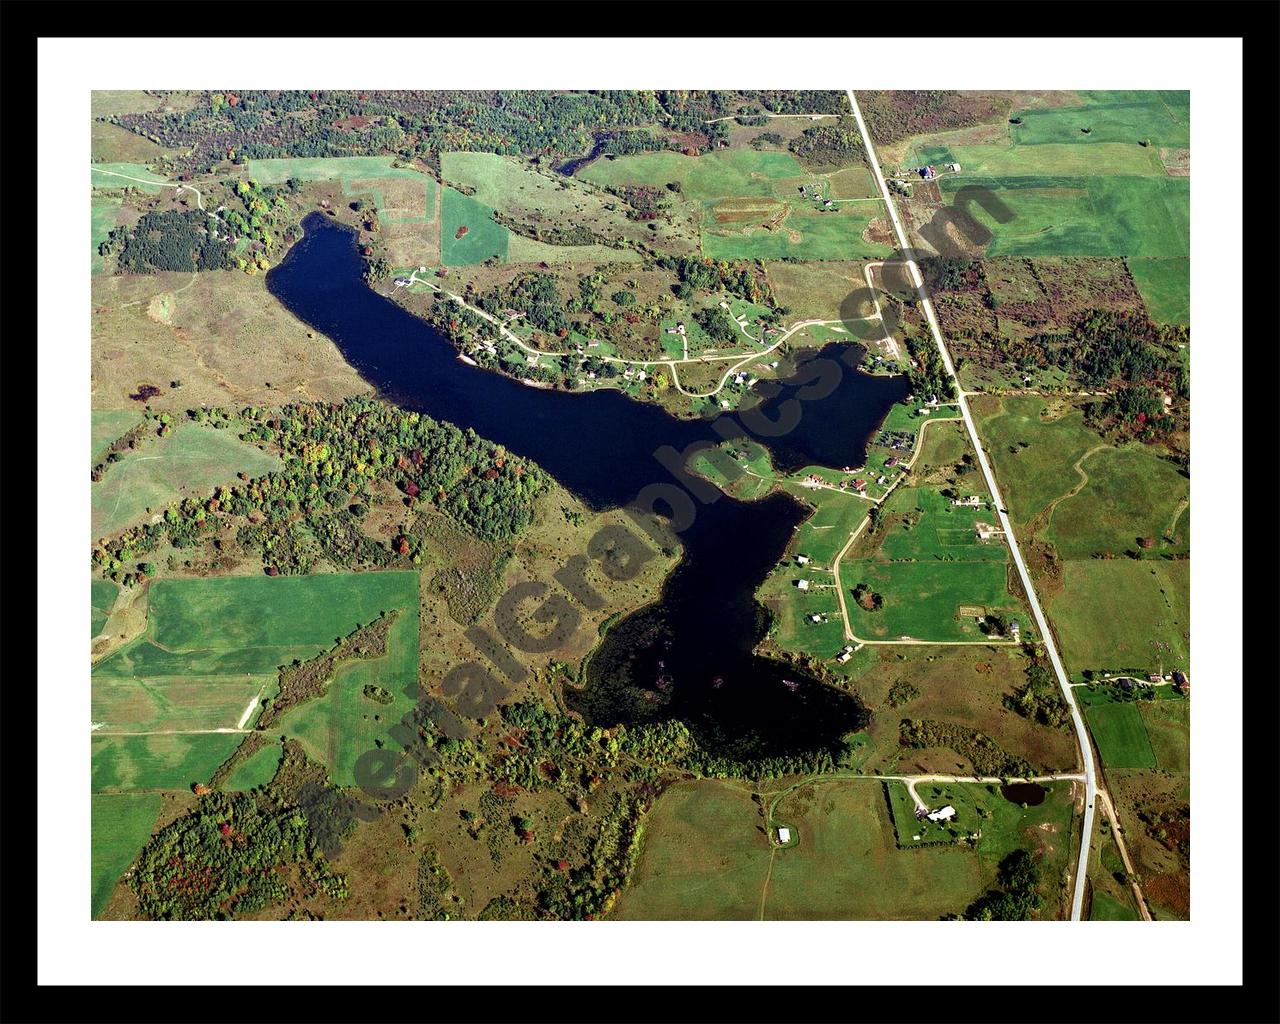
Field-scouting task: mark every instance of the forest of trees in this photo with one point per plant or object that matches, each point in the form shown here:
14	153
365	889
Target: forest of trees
830	145
176	240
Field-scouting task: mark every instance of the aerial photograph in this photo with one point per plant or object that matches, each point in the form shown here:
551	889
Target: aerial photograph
639	505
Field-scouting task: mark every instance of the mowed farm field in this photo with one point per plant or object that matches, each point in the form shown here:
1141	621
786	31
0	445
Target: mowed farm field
750	206
163	469
1107	177
707	855
121	826
212	650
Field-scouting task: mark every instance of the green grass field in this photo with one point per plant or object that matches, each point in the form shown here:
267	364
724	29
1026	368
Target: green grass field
108	176
1109	612
256	770
1162	117
162	761
1168	725
212	646
1050	159
102	595
120	826
722	174
483	238
1084	216
922	599
328	168
1031	477
192	457
805	234
1108	908
706	856
945	532
1121	738
1130	494
1166	288
105	425
103	212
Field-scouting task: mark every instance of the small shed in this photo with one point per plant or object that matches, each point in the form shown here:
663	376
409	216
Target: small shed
802	584
784	835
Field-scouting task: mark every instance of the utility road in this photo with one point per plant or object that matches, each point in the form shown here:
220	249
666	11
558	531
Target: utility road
1082	734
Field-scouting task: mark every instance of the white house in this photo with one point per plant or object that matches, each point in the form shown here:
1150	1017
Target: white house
802	584
802	559
784	835
942	814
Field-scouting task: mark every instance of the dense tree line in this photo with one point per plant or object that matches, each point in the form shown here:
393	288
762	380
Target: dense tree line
175	240
719	326
1017	898
928	374
830	145
1105	345
1040	699
534	295
234	854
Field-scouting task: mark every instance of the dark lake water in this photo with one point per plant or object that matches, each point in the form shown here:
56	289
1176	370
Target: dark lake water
690	654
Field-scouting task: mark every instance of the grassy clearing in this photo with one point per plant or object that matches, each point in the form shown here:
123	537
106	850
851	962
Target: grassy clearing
483	238
816	291
961	685
192	457
103	594
343	724
329	168
1118	731
1079	216
922	600
105	425
222	335
1166	288
256	770
106	176
1168	727
719	175
941	531
1129	494
529	250
1033	449
805	233
163	761
707	856
104	213
1114	116
1108	908
1111	613
213	645
121	826
1050	159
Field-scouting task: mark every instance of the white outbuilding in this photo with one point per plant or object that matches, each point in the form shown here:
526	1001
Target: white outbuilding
942	814
784	835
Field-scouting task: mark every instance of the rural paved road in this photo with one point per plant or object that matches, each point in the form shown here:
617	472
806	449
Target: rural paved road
1082	734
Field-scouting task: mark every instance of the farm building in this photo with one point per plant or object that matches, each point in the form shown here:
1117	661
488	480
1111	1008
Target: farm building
802	584
802	559
784	835
968	501
942	814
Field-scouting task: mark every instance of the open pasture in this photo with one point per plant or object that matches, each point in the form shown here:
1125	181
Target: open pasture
1129	494
121	824
468	232
1166	288
1112	613
214	646
1163	117
193	458
1121	738
922	600
1084	216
